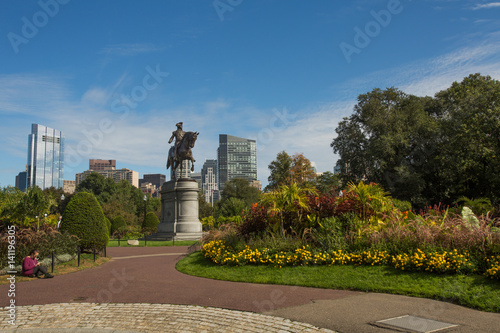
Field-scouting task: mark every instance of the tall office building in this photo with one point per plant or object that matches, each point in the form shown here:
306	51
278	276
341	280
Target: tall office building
237	158
45	157
209	181
21	180
156	179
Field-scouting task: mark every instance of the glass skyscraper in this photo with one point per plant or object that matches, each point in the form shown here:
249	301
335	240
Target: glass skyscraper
45	157
236	158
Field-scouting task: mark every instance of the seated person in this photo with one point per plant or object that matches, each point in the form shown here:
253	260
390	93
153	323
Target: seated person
31	266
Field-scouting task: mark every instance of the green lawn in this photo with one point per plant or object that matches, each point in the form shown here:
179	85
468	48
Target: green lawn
474	291
123	243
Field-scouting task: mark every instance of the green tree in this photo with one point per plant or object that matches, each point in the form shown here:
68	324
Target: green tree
240	188
103	188
10	199
327	181
83	217
468	152
389	140
280	171
151	222
118	224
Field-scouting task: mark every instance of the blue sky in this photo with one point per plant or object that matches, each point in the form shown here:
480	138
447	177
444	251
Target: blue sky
115	76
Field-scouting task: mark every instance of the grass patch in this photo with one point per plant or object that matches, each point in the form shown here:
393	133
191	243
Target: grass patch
123	243
473	291
64	268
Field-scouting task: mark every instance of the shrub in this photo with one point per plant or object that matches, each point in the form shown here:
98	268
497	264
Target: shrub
83	217
151	222
118	224
255	221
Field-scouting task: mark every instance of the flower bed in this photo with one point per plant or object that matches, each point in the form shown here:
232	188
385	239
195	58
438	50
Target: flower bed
446	262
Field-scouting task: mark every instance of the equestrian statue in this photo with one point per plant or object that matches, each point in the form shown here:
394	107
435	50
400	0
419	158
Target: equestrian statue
181	150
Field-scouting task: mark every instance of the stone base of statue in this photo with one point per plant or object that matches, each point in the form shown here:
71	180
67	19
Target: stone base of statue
179	211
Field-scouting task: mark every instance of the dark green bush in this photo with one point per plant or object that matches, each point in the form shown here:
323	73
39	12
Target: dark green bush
118	224
83	217
151	222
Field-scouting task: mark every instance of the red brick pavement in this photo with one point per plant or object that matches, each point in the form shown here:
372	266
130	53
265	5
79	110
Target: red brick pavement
154	279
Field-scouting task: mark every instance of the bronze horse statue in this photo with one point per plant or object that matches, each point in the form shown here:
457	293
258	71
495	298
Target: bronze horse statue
183	152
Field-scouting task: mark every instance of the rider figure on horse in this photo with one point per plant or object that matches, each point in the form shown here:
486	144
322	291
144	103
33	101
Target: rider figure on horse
178	134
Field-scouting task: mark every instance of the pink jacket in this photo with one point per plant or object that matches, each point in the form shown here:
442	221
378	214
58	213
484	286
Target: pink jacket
28	265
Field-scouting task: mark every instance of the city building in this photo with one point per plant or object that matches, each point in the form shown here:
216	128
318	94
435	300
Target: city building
69	186
101	165
209	181
117	175
21	180
196	176
237	158
185	171
149	189
45	157
257	184
157	179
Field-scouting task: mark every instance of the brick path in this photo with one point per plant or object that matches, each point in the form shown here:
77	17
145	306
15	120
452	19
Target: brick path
143	317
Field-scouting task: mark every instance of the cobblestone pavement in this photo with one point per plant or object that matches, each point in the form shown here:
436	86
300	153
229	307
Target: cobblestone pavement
144	317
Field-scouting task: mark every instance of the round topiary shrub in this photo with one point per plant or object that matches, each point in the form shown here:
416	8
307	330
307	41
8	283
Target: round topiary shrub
151	222
118	224
83	217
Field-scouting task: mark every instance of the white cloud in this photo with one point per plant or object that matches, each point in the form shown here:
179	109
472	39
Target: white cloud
428	76
486	5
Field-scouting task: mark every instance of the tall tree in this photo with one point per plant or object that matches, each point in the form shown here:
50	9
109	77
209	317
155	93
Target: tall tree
280	171
424	149
327	181
301	170
469	150
240	188
387	140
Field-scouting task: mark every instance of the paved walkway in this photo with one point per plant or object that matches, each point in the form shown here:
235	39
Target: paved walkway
140	291
144	317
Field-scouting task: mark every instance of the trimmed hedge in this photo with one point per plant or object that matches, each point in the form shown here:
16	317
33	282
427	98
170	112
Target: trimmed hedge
151	222
83	217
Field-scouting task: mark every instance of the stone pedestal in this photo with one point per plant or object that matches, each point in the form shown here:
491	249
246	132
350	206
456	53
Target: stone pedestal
179	211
